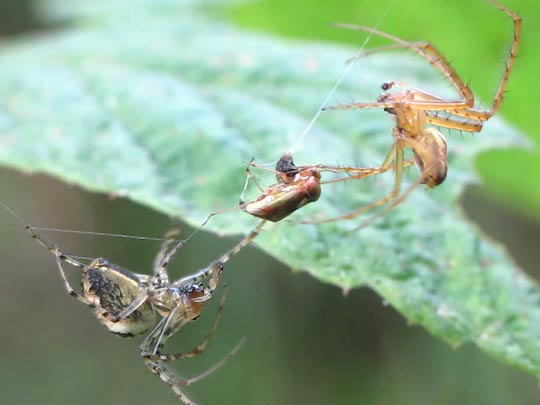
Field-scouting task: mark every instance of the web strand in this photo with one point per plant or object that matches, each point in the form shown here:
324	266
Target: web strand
344	74
21	220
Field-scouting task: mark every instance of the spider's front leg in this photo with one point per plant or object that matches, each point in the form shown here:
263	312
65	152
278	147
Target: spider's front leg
394	159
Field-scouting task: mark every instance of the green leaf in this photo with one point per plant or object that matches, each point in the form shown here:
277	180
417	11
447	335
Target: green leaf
164	107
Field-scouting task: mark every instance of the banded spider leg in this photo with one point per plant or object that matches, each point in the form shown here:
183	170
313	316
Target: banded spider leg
413	109
128	303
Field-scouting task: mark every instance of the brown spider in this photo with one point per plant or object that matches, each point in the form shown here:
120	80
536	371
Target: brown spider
413	109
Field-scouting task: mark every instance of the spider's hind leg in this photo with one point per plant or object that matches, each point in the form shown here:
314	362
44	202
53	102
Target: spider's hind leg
168	376
60	259
157	362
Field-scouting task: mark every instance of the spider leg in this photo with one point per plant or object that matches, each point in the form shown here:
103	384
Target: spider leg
60	259
251	176
426	101
178	316
166	327
164	256
157	362
214	269
497	100
357	173
450	122
242	244
395	202
433	104
53	249
369	52
395	153
201	346
216	366
464	107
161	277
69	289
358	105
132	307
431	54
213	214
170	377
395	190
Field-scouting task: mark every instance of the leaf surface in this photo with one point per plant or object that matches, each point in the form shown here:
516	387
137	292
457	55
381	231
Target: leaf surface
166	106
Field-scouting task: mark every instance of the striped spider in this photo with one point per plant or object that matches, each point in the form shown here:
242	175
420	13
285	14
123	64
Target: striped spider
128	304
413	109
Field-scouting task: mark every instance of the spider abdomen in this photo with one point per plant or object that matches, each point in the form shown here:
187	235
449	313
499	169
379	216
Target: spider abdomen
113	288
430	155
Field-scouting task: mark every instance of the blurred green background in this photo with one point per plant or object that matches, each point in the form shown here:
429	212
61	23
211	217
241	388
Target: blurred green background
306	342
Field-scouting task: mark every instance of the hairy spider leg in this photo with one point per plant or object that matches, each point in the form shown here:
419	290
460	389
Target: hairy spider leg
394	153
413	108
435	58
354	173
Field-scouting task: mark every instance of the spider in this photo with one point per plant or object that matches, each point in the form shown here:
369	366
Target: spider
413	109
128	303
